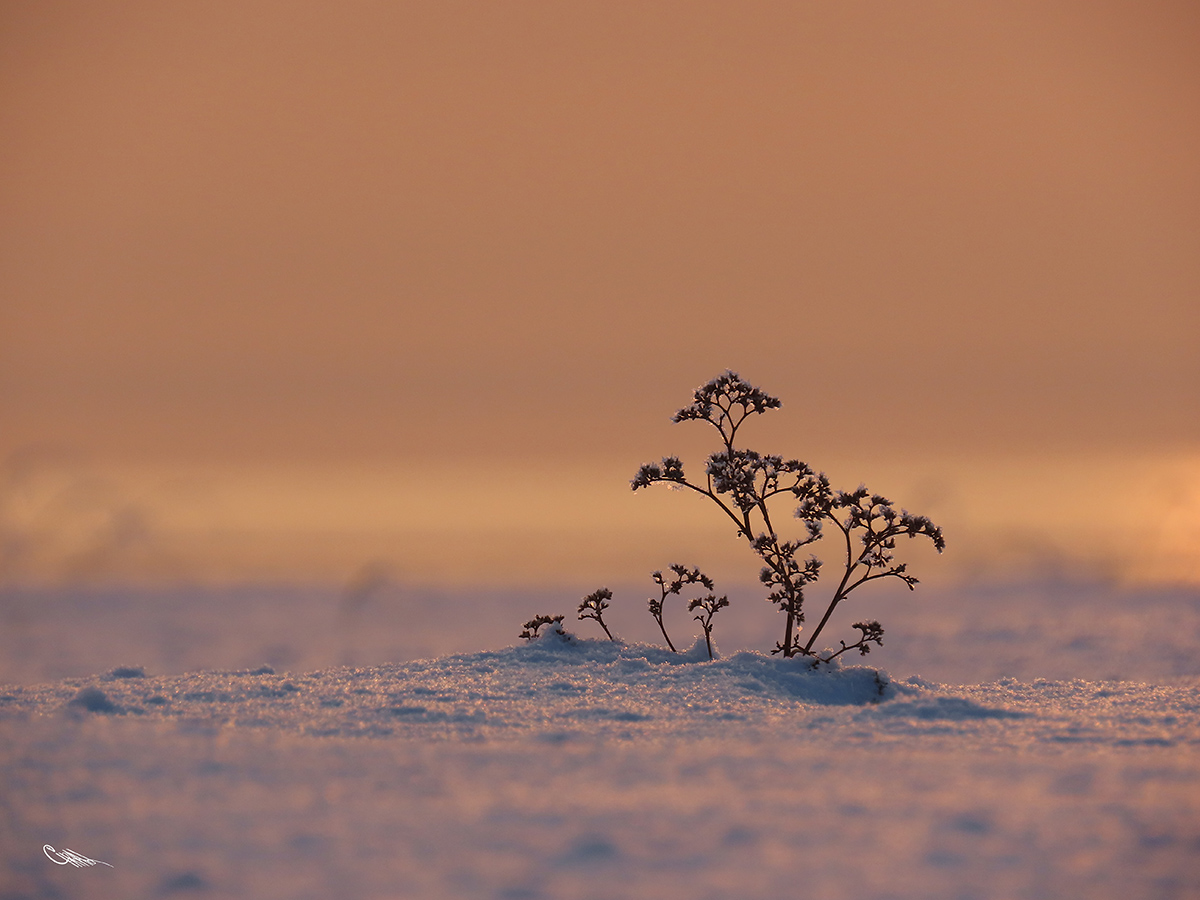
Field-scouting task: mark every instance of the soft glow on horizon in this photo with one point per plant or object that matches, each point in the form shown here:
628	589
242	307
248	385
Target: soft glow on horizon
1129	519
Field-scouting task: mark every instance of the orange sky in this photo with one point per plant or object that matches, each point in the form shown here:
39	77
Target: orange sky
331	239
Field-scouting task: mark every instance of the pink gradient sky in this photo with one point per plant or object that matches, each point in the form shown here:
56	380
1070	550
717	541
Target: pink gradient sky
309	255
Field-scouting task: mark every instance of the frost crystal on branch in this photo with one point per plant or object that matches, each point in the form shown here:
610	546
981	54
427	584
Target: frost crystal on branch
726	401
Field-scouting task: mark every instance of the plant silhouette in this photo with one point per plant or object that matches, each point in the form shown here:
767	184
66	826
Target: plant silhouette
743	483
683	577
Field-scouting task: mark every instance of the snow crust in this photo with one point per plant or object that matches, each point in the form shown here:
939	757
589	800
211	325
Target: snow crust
570	767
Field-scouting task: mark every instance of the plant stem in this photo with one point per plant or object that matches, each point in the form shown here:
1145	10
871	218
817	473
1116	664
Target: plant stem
840	593
663	629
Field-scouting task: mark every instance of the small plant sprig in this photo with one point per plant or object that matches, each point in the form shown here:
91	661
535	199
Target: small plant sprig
708	607
683	576
531	627
742	482
877	525
593	607
872	633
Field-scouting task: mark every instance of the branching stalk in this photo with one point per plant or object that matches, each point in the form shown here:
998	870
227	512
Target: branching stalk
748	480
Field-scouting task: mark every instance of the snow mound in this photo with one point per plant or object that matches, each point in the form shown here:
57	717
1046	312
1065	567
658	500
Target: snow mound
746	673
557	681
560	687
800	677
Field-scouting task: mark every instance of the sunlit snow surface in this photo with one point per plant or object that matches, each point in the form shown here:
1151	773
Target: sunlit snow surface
586	769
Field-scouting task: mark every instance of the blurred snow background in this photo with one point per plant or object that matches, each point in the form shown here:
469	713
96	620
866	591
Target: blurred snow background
961	634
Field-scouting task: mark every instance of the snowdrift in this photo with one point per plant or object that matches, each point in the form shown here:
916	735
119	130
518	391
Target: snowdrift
560	686
576	769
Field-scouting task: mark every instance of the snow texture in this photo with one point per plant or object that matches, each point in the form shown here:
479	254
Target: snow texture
576	767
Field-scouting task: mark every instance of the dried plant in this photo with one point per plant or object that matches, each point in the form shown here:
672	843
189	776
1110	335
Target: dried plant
683	576
708	607
531	627
593	607
742	483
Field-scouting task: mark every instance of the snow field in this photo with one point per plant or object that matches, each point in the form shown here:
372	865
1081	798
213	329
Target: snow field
585	769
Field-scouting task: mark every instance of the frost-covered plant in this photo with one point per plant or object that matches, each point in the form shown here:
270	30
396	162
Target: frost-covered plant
708	607
742	482
683	576
593	607
870	632
531	627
